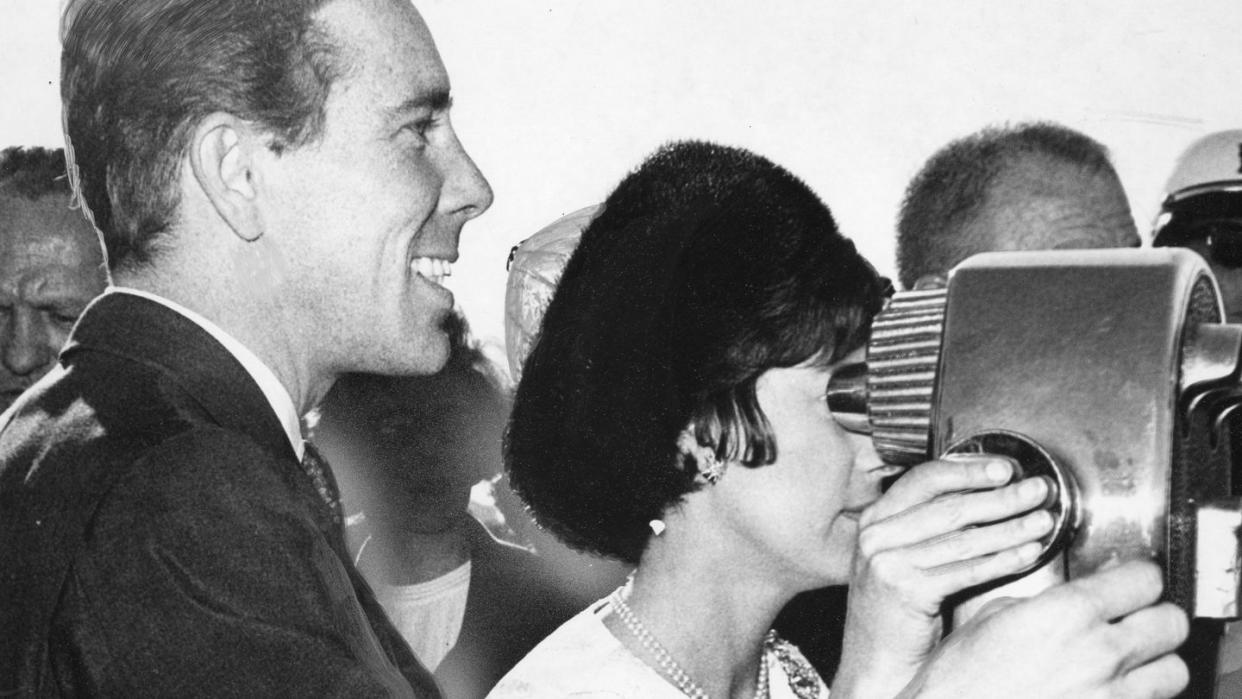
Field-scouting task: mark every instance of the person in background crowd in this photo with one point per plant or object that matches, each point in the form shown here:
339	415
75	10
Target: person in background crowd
51	265
534	266
1202	210
1030	186
671	414
280	192
469	605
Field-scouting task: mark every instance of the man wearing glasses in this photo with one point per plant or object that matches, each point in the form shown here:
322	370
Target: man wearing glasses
1203	211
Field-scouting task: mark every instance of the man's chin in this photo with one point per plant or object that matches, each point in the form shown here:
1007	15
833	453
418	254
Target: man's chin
431	352
427	354
431	358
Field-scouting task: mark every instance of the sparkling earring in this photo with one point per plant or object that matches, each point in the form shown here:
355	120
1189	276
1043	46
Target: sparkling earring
657	526
709	466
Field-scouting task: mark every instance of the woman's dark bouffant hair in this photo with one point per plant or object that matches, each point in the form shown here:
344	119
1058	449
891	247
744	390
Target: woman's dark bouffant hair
707	266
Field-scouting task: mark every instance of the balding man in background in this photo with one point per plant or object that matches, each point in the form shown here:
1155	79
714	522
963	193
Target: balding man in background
51	265
1030	186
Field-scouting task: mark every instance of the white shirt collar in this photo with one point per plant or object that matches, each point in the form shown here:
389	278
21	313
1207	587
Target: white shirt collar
275	392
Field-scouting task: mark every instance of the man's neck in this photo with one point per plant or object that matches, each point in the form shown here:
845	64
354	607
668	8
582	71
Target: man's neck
247	320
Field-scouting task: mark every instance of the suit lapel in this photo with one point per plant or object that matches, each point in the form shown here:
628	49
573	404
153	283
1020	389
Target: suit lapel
148	332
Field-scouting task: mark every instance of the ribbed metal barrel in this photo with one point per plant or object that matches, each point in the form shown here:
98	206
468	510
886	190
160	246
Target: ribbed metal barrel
901	364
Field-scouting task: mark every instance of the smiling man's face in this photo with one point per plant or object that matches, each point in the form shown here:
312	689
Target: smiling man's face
368	216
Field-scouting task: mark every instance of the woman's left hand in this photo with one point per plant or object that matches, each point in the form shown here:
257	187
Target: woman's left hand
943	527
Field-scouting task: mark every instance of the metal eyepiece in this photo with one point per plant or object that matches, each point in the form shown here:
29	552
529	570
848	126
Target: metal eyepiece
847	397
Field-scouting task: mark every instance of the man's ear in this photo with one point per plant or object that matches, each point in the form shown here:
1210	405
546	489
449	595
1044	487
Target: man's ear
222	158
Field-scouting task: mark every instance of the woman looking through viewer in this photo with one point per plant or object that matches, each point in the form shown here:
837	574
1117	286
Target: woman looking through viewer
672	415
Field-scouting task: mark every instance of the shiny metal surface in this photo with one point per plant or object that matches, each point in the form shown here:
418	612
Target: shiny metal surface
1080	351
1032	461
847	397
902	358
1113	370
1210	359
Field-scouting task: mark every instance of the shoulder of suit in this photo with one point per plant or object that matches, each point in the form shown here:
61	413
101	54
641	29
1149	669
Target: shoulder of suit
208	457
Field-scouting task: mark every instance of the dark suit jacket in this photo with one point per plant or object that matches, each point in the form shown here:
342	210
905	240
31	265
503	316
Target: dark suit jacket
159	538
511	605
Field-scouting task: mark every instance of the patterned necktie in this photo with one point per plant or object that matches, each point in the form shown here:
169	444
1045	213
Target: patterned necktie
321	476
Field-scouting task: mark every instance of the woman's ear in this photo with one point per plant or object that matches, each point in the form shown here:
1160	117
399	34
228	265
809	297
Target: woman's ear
222	158
709	466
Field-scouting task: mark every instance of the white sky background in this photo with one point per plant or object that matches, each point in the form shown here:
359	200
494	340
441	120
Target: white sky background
557	99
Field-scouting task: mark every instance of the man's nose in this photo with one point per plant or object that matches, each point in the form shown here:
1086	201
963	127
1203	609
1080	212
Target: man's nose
465	190
25	342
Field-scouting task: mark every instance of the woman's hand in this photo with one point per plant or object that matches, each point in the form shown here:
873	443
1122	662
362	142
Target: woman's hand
1101	636
943	527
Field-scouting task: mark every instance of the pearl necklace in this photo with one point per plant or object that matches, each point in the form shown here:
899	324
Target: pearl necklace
671	669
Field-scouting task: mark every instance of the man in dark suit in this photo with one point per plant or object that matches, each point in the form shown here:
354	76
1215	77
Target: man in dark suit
279	191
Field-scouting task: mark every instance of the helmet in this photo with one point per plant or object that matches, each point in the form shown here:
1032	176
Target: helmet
535	266
1206	184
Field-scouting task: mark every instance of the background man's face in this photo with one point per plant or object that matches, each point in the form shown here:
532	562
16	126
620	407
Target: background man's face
428	492
368	216
1045	204
425	485
51	266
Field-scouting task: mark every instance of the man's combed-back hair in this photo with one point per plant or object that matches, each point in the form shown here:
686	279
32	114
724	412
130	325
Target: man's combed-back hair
952	189
137	76
34	172
706	267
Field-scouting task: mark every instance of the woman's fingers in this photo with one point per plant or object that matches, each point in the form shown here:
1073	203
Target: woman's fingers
1116	591
936	478
928	573
1153	632
960	547
947	514
1096	636
1164	677
949	525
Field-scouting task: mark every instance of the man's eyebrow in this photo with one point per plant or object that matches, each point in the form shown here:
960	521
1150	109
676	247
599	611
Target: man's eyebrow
437	101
